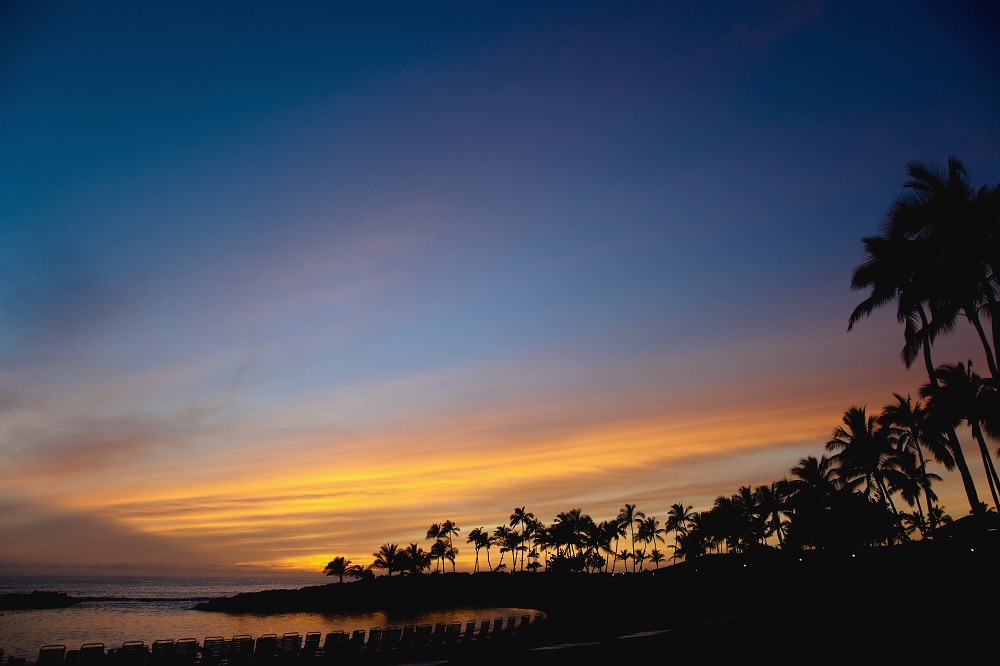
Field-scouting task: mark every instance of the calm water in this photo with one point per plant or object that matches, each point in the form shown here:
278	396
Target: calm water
153	608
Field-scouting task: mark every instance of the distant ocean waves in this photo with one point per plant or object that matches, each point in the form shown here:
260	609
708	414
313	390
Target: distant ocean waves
152	608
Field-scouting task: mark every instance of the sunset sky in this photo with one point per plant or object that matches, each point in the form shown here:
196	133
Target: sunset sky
287	281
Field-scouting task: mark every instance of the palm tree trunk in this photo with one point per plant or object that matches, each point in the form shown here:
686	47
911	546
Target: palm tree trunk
991	362
954	444
991	472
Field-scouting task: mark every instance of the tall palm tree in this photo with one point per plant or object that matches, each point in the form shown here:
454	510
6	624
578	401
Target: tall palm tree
936	256
438	552
628	515
479	538
770	501
502	538
609	531
957	227
338	566
522	518
387	557
958	396
677	520
912	430
650	531
434	532
449	530
861	444
415	559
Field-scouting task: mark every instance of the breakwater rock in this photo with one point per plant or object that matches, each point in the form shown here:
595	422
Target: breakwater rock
36	600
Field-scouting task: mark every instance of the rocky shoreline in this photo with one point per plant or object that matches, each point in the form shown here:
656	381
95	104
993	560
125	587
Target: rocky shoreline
717	606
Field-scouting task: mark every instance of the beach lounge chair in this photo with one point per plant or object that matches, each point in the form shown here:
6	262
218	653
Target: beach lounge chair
162	652
333	644
265	649
310	645
497	630
91	654
355	643
391	637
374	642
241	650
470	631
484	629
408	636
452	632
422	635
186	651
51	654
132	653
290	645
212	650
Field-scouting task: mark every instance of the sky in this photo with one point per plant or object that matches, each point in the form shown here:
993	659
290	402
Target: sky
281	282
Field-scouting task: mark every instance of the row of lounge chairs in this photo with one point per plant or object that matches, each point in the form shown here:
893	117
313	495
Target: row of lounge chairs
311	649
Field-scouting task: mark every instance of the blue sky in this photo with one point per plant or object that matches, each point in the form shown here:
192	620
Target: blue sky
292	253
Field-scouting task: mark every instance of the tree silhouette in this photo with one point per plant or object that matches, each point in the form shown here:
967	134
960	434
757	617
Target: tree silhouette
387	557
628	516
937	256
961	395
338	566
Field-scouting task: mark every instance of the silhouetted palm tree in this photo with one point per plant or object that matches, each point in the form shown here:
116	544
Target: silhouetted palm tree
414	559
338	566
677	520
911	429
628	515
608	531
861	444
958	396
650	531
522	518
387	557
937	256
502	538
657	556
771	503
479	538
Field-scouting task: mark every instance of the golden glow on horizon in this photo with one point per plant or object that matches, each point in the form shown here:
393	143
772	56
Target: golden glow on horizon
297	515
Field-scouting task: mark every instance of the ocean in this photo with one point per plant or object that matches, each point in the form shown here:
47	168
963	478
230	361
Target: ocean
149	608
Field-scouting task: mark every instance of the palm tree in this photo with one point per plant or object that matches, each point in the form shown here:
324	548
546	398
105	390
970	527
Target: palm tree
524	519
913	431
962	395
656	556
434	532
909	479
608	531
628	515
770	501
387	557
438	550
338	566
501	537
958	227
448	530
937	257
677	519
415	559
862	444
479	538
650	531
